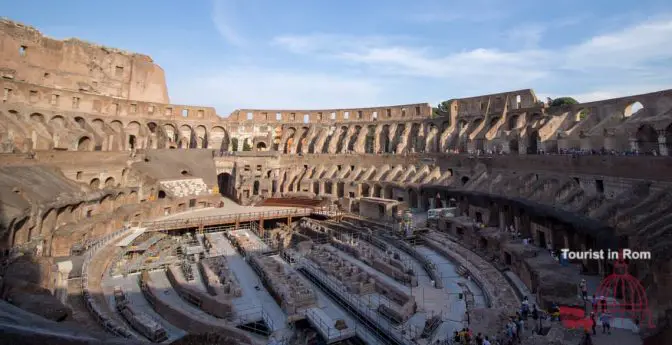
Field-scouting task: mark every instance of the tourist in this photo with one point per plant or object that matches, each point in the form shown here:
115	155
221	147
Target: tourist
486	341
587	340
594	303
584	290
456	338
603	303
479	339
605	319
593	323
635	327
525	307
555	312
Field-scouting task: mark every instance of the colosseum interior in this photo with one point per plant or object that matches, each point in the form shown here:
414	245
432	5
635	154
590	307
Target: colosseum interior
125	219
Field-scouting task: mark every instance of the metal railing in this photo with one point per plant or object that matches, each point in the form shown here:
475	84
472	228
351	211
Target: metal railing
109	324
172	224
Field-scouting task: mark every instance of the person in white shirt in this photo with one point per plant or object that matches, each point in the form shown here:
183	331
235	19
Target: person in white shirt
486	341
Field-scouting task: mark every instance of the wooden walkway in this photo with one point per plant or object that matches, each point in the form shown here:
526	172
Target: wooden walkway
237	218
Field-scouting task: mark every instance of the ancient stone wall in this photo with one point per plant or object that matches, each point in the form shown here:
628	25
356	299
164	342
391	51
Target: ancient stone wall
74	65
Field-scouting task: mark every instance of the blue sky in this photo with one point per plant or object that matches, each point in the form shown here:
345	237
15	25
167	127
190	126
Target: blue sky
319	54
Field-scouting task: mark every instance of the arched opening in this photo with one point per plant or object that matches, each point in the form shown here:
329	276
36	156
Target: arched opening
519	102
95	183
464	180
365	190
513	122
647	139
261	146
384	139
162	194
412	198
353	138
532	143
80	122
184	173
109	182
377	191
84	144
37	117
340	189
234	144
131	142
255	188
152	127
370	140
632	109
57	122
340	144
302	140
513	145
224	181
246	145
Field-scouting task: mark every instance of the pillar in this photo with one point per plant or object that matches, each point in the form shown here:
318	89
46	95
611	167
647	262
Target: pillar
662	143
61	287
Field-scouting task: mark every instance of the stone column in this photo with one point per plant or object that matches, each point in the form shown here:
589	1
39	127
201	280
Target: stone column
662	143
62	272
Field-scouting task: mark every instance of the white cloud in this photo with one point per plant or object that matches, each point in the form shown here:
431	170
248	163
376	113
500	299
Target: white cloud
627	49
246	87
224	19
629	59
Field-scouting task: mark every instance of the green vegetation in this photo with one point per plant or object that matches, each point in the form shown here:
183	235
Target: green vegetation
246	146
443	109
563	101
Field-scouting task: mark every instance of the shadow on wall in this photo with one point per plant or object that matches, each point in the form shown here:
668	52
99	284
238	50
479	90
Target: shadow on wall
168	164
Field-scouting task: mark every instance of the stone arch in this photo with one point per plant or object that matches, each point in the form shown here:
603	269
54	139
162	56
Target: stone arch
261	146
513	145
513	122
377	191
353	138
219	139
647	139
152	127
225	182
37	117
48	222
57	122
302	139
98	124
413	198
109	182
85	144
532	142
186	137
117	126
370	139
255	187
95	183
632	108
201	134
81	123
290	140
162	194
171	133
341	144
366	190
384	139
